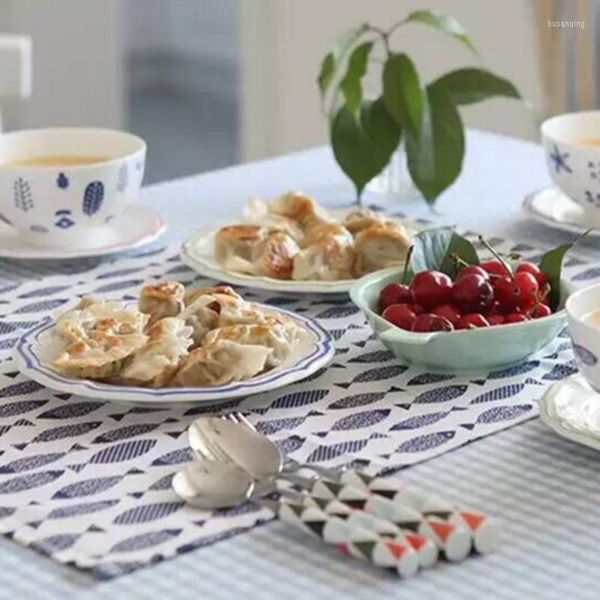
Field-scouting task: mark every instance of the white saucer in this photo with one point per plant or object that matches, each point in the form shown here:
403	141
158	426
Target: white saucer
555	209
572	409
137	226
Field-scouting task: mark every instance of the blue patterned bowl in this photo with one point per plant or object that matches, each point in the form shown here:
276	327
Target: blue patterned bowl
473	350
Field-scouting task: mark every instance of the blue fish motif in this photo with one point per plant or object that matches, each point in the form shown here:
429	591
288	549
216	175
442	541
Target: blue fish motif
519	369
18	408
500	393
359	420
122	178
28	482
419	421
42	292
441	394
28	463
10	326
337	312
504	413
93	197
321	453
380	373
119	273
164	483
235	511
587	357
147	513
290	444
19	389
560	371
175	457
145	540
43	306
123	451
587	275
75	510
71	410
87	487
118	285
7	344
275	425
55	543
357	400
125	432
7	511
425	378
426	442
370	357
66	431
299	399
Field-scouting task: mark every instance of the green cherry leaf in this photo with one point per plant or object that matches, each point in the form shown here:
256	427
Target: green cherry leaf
442	22
435	156
326	73
551	265
467	86
351	83
402	91
363	144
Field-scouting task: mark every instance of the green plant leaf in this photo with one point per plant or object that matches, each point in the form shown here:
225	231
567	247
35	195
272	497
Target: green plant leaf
363	144
433	249
402	92
333	60
442	22
435	156
351	85
467	86
551	265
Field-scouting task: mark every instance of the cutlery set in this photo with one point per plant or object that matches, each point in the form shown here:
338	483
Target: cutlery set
375	519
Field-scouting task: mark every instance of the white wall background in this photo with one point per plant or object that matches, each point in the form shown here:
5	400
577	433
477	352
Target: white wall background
283	42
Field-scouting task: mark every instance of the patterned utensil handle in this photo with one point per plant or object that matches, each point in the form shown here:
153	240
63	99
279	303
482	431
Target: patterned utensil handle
485	532
358	542
425	548
455	541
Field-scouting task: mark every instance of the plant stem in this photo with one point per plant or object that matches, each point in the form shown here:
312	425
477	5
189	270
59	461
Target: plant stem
495	254
406	263
382	34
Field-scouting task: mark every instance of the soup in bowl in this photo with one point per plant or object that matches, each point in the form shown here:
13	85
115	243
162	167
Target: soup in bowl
61	187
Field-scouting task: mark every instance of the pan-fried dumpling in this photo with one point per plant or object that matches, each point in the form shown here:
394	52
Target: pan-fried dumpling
274	257
380	246
192	294
225	361
257	212
300	208
330	257
360	219
155	363
160	300
235	246
100	337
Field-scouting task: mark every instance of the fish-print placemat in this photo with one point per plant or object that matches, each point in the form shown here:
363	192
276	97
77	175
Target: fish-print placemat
88	482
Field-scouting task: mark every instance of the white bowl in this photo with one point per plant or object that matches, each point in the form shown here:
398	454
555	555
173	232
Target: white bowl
68	206
575	167
585	337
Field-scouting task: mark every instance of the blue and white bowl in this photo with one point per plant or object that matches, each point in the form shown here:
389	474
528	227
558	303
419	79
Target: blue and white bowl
70	206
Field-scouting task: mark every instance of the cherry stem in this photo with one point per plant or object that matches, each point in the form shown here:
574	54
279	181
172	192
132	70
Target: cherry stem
406	263
458	261
495	254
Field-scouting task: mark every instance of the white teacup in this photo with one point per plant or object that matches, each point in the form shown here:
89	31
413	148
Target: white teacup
68	205
585	336
573	160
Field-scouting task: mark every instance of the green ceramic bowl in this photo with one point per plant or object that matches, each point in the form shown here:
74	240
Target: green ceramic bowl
473	350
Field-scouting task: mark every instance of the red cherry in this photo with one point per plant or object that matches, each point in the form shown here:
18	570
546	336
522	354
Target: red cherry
473	270
472	321
448	312
418	309
529	267
528	289
429	322
400	315
394	293
507	294
472	293
495	320
494	267
540	310
515	318
431	288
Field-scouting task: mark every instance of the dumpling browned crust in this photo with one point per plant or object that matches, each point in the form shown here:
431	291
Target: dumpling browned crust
160	300
378	247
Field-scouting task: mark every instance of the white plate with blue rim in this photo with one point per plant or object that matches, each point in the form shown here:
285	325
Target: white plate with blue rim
137	226
36	350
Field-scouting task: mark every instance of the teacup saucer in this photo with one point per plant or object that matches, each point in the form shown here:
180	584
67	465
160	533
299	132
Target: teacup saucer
137	226
553	208
571	408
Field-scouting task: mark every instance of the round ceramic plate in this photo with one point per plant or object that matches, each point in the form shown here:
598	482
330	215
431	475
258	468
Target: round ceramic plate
571	408
554	209
36	349
137	226
198	252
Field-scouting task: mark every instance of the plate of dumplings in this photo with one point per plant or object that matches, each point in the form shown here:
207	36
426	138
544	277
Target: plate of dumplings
173	345
291	244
